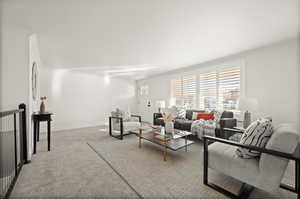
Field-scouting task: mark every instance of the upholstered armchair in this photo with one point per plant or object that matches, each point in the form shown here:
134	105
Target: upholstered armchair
265	172
120	127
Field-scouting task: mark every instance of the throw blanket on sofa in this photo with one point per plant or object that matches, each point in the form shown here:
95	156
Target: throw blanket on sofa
206	127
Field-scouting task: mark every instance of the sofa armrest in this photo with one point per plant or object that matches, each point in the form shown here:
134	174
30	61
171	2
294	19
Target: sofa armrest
155	116
138	116
227	123
207	139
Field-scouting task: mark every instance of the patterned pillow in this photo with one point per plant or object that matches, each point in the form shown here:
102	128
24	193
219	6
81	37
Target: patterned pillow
178	111
217	115
257	134
181	111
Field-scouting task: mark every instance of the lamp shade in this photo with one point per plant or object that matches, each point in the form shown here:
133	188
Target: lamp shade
160	104
248	104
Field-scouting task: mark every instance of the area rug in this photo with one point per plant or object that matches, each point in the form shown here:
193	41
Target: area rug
179	177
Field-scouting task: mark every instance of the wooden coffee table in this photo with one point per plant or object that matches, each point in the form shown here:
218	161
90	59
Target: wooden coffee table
174	142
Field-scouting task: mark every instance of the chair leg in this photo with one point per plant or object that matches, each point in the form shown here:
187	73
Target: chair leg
297	178
205	165
245	191
121	128
110	126
121	137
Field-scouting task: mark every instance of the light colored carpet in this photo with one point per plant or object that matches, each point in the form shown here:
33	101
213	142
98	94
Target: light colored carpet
75	169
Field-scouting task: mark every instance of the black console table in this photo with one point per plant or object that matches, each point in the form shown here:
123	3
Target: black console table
37	118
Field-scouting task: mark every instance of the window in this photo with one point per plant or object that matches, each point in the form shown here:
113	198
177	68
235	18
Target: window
208	90
229	88
216	89
220	89
184	90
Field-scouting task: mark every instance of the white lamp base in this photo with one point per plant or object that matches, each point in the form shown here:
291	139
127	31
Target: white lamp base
247	119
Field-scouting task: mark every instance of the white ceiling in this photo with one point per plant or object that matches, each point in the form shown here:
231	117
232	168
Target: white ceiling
139	38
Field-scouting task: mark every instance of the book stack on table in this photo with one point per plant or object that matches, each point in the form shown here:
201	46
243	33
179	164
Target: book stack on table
161	136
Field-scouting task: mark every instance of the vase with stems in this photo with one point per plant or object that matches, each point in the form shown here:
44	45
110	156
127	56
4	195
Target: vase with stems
169	124
42	106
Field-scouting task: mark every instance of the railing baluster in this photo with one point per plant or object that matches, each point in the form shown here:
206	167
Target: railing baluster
13	144
15	139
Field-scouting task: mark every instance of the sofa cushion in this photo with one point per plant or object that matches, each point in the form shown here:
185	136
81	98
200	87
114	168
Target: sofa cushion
257	134
189	113
183	124
222	158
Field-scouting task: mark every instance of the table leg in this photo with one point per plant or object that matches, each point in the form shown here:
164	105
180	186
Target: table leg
38	131
140	139
34	136
185	143
165	151
49	134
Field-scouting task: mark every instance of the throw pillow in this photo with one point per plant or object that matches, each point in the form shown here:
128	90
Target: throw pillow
127	115
217	115
257	134
195	115
205	116
178	111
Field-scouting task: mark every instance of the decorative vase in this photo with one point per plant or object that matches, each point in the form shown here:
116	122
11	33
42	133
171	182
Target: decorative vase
42	107
169	127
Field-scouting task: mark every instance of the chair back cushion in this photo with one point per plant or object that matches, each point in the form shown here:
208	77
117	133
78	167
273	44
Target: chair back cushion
257	134
284	139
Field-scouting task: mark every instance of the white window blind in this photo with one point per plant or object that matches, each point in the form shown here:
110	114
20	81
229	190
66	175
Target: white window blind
208	90
220	89
184	90
229	86
216	89
189	90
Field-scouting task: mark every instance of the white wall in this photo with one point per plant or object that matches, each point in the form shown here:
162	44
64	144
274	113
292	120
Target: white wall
14	61
83	99
271	75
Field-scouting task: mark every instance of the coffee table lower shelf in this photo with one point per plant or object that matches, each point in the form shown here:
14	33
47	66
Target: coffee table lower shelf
171	144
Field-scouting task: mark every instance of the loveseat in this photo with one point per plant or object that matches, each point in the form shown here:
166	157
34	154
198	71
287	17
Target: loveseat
226	121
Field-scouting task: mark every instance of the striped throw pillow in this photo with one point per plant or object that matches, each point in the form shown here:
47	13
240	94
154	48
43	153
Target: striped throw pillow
257	134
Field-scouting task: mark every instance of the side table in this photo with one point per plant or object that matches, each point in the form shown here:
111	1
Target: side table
38	117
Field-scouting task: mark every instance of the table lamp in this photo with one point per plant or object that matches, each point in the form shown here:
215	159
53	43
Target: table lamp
248	105
160	104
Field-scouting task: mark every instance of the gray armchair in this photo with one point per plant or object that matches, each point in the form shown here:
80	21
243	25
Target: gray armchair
265	173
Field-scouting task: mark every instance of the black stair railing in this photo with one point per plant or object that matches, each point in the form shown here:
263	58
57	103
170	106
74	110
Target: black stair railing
13	148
